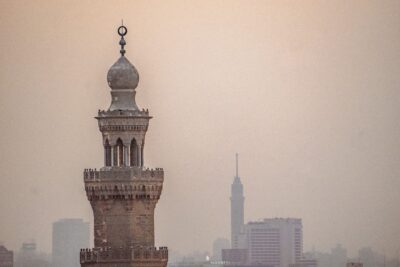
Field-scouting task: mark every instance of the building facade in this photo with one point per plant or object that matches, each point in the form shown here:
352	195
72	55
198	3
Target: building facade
276	242
6	257
123	193
218	245
338	256
29	256
237	208
69	236
305	263
354	264
234	257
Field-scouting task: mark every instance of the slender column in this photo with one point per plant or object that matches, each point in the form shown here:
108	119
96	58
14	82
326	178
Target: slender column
115	163
126	155
105	155
139	156
112	155
108	157
120	155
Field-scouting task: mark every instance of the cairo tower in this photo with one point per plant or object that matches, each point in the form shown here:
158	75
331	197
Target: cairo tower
123	194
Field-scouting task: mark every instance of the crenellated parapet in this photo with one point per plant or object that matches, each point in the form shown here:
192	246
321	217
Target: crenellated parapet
126	125
123	113
123	173
123	121
124	183
132	255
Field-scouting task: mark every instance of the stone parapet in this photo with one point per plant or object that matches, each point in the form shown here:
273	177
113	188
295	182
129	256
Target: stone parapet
123	173
133	183
124	255
119	113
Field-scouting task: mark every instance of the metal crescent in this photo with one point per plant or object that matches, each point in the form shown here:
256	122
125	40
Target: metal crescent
122	30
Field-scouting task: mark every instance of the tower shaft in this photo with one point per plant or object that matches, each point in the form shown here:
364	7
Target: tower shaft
123	194
237	208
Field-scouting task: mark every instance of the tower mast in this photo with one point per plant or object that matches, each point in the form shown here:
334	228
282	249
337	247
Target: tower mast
237	165
237	207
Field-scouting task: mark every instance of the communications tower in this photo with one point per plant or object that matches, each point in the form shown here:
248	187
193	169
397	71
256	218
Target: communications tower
237	207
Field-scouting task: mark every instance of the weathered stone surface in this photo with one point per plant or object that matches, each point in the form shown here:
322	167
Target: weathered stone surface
123	193
122	75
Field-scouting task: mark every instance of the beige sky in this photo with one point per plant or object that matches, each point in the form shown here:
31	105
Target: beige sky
306	91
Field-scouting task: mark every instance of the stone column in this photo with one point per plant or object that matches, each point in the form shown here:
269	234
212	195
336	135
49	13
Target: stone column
126	154
112	155
115	155
105	155
139	155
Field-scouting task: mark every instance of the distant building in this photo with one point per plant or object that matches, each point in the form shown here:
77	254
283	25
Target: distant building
237	208
274	242
305	263
28	256
69	236
234	256
371	258
338	256
218	245
187	264
6	257
354	264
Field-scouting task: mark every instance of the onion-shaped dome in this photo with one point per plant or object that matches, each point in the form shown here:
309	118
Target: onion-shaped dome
123	75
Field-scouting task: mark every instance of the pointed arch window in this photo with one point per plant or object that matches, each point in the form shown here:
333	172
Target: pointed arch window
107	153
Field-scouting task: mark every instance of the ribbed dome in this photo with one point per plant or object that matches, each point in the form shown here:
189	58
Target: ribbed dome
123	75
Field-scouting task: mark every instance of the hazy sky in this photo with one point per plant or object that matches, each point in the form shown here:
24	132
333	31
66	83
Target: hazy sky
307	92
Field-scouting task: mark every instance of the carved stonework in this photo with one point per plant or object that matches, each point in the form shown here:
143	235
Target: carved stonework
123	194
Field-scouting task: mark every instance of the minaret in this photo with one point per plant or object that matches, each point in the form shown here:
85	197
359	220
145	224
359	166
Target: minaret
123	194
237	207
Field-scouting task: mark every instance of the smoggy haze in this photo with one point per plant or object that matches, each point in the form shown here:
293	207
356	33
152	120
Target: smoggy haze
306	91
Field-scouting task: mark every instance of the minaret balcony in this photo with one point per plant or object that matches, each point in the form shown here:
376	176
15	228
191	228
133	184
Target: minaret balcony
147	255
123	173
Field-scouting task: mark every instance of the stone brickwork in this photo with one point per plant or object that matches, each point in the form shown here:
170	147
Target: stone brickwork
123	193
123	201
150	257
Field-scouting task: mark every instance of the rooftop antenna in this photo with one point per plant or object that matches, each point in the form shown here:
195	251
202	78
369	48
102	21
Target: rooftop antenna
384	258
237	165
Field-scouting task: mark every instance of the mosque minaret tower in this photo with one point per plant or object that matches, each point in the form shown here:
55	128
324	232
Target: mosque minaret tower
123	193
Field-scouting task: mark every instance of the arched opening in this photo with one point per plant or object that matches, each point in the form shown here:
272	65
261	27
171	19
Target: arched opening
107	153
134	153
120	152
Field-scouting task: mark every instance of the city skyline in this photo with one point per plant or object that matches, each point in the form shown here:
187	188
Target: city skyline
307	94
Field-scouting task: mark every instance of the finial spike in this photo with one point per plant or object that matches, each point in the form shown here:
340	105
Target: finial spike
122	31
